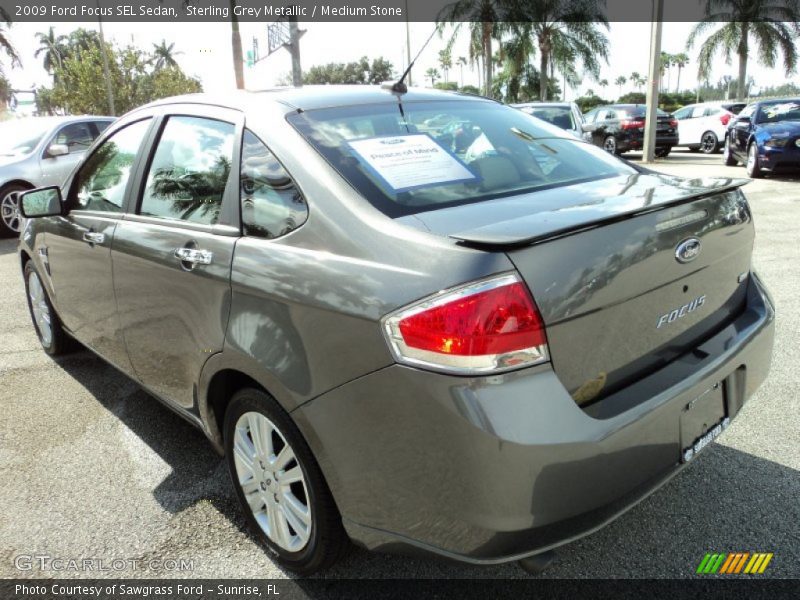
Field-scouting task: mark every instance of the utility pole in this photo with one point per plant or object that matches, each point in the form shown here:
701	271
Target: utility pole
106	72
651	120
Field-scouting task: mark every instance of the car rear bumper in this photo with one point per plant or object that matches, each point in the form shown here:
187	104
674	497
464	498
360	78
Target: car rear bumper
494	469
635	141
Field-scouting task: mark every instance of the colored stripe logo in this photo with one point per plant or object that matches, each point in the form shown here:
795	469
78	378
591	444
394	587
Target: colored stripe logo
734	563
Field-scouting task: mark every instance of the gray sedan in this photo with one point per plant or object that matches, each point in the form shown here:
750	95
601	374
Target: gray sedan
478	340
40	151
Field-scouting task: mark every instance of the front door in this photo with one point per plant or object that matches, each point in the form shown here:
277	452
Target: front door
77	137
78	245
172	258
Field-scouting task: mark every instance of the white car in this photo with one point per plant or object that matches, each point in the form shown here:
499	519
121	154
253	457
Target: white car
702	126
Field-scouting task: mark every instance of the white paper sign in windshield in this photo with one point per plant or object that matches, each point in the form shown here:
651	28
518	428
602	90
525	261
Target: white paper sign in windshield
410	161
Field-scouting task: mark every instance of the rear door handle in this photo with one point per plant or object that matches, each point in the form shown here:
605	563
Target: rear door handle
93	237
194	256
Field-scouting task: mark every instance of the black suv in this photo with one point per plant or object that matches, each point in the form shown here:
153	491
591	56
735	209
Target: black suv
620	127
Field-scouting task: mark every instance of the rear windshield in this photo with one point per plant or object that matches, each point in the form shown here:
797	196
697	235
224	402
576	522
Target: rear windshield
422	156
560	116
641	111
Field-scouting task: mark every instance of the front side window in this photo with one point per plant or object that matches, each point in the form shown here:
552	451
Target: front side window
555	115
683	113
272	205
431	154
77	137
101	182
190	170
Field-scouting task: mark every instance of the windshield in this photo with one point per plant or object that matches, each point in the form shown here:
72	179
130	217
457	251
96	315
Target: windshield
21	137
784	110
437	154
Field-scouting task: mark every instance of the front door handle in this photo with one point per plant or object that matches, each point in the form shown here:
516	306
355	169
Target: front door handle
92	237
194	256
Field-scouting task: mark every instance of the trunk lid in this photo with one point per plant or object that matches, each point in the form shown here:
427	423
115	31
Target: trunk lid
602	262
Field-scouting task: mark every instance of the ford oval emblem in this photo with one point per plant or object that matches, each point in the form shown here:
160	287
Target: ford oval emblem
687	250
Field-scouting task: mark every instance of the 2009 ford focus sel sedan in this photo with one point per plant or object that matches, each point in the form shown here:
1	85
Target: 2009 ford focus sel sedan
479	340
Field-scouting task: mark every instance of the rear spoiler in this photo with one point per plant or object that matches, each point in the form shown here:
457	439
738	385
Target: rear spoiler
547	225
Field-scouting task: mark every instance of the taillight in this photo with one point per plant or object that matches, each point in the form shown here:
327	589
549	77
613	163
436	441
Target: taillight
487	326
631	124
673	122
724	118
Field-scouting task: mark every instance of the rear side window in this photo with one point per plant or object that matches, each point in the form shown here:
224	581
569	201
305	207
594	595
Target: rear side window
431	154
272	205
189	170
100	184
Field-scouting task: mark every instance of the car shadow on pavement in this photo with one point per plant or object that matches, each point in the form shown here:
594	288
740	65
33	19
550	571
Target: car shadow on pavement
8	245
726	501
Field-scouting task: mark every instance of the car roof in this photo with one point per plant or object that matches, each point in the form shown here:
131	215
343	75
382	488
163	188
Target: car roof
310	97
543	105
53	121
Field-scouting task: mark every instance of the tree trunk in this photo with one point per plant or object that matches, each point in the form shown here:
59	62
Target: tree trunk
544	57
742	83
487	59
236	45
678	83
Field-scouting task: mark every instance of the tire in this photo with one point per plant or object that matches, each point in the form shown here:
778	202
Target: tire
709	143
10	217
307	538
753	165
610	145
727	155
694	148
48	326
663	152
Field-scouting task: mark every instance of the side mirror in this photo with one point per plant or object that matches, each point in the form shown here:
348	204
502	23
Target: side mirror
742	122
42	202
57	150
588	127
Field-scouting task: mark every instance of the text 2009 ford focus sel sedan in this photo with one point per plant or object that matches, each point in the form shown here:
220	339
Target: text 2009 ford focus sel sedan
480	340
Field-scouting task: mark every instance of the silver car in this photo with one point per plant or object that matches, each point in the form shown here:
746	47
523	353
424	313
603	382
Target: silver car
40	151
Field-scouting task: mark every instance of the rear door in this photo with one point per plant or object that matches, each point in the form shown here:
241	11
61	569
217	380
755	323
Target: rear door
172	256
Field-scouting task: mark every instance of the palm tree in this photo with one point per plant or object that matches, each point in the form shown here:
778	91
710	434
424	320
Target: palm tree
53	47
445	62
620	81
433	74
5	43
636	80
461	61
771	24
481	17
574	27
164	56
603	83
515	53
679	60
666	63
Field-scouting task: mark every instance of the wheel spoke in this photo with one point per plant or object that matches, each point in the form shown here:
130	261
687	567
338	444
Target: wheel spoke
284	458
297	508
292	475
243	451
256	434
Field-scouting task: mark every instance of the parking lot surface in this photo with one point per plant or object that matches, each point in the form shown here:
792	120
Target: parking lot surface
92	467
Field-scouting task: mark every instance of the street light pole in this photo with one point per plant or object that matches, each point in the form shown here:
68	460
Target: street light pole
408	43
653	81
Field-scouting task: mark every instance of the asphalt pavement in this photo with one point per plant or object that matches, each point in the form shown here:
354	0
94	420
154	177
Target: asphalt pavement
92	467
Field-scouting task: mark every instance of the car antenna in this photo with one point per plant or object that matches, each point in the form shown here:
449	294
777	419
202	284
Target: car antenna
400	87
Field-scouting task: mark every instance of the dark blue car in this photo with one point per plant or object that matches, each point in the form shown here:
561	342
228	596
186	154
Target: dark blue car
766	137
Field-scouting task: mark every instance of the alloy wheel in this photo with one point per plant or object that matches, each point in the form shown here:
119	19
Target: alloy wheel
610	145
273	482
709	143
9	211
40	308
